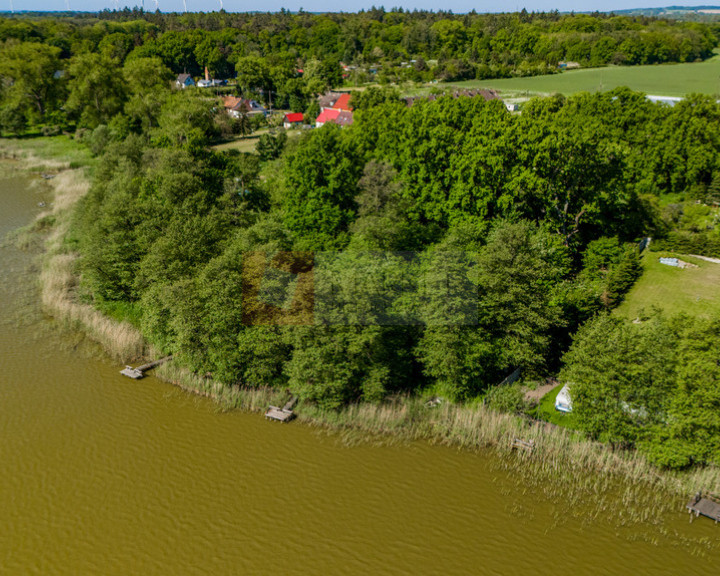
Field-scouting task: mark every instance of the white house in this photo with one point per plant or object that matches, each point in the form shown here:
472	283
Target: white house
293	119
184	80
236	106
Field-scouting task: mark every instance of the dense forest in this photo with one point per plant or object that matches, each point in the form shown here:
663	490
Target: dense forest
435	248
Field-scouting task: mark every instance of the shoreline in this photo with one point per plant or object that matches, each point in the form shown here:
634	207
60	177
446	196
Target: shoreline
58	281
562	461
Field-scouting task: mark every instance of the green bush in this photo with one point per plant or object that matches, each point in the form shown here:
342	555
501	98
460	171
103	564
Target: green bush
506	398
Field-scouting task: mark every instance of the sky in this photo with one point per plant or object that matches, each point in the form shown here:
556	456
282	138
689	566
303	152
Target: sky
457	6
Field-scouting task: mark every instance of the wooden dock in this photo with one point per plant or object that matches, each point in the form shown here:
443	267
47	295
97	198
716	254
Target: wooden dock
520	444
139	372
707	507
284	414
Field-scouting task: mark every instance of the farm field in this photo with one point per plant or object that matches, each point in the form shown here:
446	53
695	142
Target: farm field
661	80
693	291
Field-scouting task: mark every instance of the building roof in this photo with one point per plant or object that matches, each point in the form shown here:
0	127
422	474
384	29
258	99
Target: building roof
328	99
345	118
327	115
243	105
342	103
232	102
182	78
294	117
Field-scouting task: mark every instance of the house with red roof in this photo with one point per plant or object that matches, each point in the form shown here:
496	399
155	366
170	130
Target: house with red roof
335	107
344	118
293	119
343	103
327	115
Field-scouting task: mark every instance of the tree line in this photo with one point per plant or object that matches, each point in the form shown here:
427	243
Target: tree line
46	63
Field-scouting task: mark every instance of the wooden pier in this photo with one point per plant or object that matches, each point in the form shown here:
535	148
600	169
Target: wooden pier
707	507
284	414
520	444
139	372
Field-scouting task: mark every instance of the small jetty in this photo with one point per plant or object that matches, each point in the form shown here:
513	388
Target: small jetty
284	414
434	402
708	507
139	372
520	444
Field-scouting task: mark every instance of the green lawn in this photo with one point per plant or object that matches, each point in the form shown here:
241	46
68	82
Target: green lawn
694	291
248	143
546	410
661	80
60	148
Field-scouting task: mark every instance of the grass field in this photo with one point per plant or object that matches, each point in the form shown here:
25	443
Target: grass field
546	411
694	291
661	80
51	149
248	143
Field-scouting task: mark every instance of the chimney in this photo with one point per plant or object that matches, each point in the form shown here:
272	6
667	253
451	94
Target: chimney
207	74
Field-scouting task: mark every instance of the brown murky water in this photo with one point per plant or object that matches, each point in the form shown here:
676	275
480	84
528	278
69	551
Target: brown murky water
102	475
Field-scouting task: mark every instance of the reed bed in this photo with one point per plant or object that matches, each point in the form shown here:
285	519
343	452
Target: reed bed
59	281
58	275
227	397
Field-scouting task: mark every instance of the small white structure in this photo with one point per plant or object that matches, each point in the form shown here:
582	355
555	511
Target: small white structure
205	83
184	81
667	100
677	263
563	402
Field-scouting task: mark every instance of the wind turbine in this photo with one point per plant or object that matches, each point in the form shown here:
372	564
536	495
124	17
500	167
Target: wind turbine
221	6
185	6
12	8
67	5
157	5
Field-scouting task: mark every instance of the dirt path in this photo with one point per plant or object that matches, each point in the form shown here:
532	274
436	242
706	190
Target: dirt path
707	259
537	394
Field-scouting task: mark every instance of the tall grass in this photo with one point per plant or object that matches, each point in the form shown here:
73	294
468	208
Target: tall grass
59	280
227	397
